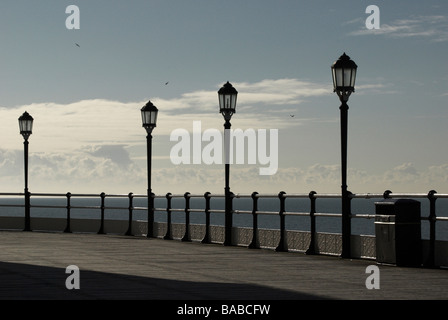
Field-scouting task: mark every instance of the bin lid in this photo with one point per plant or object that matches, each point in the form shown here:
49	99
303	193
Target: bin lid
405	210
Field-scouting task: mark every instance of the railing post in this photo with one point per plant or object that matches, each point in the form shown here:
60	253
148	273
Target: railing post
131	207
281	245
207	218
102	196
228	235
432	229
186	236
312	249
27	210
168	235
346	224
67	228
254	243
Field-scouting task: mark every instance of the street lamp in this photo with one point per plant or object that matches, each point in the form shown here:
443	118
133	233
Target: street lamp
344	76
26	129
227	107
149	120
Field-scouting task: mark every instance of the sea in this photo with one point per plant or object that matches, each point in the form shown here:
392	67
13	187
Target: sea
361	226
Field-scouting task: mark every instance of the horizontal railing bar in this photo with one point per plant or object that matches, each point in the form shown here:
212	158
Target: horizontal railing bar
287	213
328	214
119	196
245	195
296	195
268	195
242	211
197	196
196	210
191	195
407	195
12	205
217	210
292	213
177	195
85	207
363	215
138	208
48	194
241	195
327	195
267	212
366	195
47	206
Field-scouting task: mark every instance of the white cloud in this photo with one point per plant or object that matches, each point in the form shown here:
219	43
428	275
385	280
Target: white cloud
433	27
69	172
99	145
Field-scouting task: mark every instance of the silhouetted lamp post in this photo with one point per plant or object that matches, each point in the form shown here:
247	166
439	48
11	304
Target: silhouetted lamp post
26	129
344	76
227	107
149	119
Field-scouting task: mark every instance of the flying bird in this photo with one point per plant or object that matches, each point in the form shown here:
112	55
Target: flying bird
291	115
78	45
166	83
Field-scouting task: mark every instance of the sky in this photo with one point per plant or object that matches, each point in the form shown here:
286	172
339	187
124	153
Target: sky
86	99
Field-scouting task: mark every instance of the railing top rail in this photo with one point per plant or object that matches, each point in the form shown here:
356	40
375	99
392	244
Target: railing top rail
297	195
39	194
312	194
327	195
85	195
244	195
367	195
407	195
11	194
441	195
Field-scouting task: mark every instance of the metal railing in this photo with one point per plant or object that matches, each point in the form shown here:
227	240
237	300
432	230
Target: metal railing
431	196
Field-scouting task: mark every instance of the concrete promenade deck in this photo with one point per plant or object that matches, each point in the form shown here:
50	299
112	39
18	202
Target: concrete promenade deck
33	266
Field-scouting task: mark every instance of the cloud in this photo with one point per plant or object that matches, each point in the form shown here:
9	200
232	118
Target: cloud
99	122
116	153
94	145
433	27
75	172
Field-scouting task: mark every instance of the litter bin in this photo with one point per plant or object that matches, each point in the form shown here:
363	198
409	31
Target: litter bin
398	232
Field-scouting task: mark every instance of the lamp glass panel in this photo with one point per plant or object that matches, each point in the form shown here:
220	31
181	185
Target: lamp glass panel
352	84
347	77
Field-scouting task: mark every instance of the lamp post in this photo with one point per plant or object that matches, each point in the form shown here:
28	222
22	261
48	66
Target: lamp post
26	129
149	119
344	75
227	107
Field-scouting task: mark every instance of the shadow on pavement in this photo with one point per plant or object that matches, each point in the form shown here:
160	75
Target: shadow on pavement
32	282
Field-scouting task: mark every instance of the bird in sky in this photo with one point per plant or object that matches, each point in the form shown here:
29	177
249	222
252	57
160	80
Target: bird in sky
166	83
78	45
291	115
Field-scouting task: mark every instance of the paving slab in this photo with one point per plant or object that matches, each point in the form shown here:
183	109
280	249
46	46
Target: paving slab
33	266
